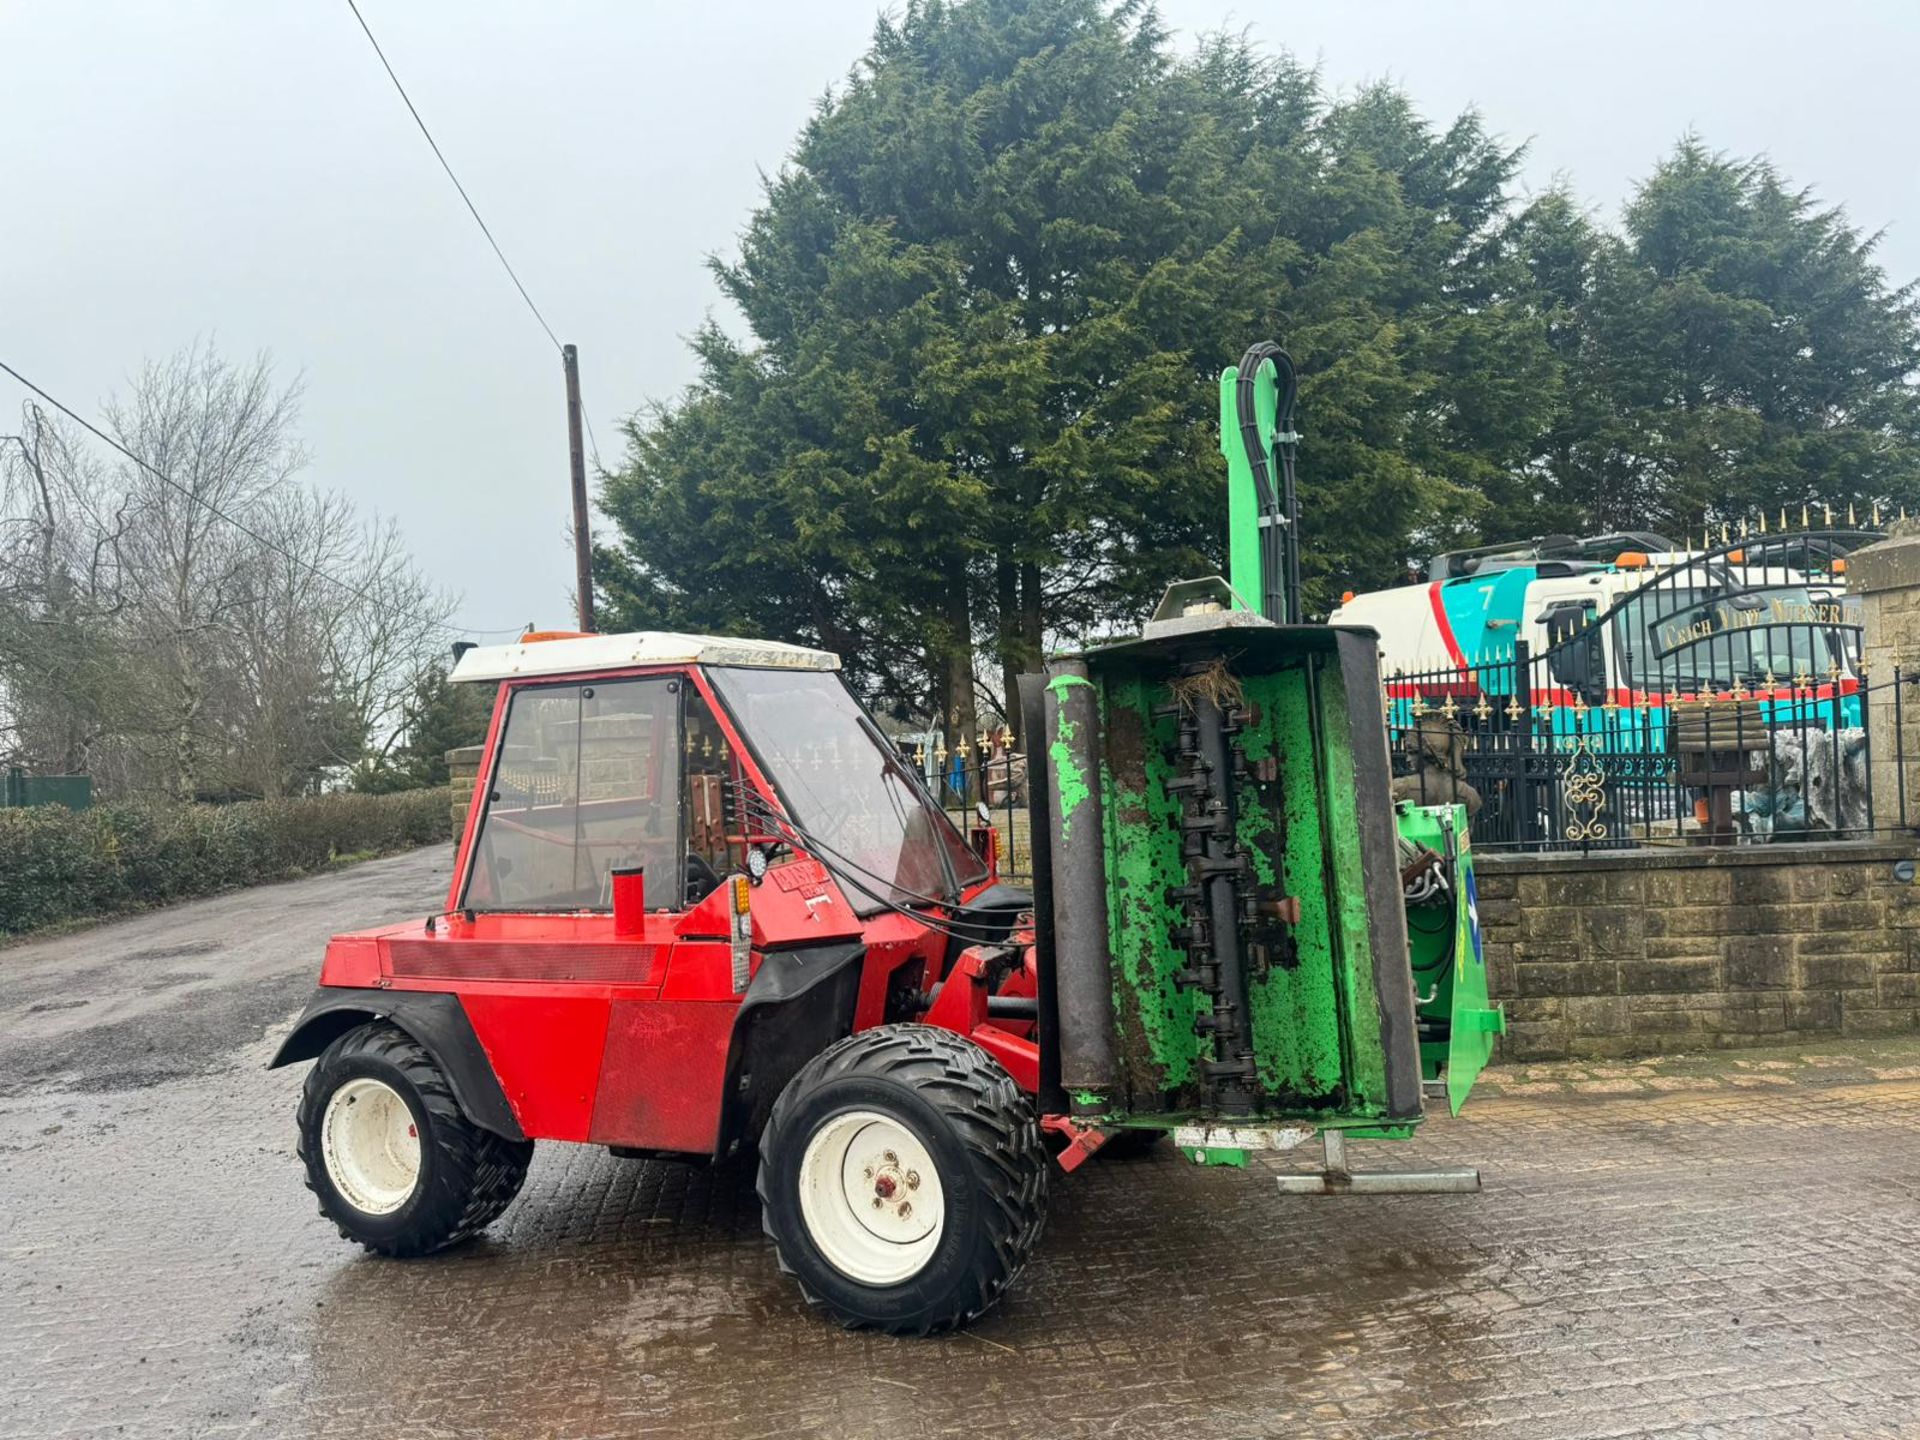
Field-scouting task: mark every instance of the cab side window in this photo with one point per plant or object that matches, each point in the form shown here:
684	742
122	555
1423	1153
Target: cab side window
586	781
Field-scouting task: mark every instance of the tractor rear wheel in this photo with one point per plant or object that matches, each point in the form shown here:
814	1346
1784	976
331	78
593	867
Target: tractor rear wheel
903	1180
395	1164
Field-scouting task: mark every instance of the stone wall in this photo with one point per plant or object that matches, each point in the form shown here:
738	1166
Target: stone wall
1640	952
463	770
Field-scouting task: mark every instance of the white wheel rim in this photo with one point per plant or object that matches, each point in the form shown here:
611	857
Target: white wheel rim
371	1145
871	1198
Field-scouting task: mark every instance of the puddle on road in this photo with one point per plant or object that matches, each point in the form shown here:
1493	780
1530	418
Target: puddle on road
154	984
160	1038
686	1312
171	952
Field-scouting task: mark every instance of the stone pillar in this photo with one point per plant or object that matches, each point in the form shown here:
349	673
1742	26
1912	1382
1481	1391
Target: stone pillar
1886	578
463	769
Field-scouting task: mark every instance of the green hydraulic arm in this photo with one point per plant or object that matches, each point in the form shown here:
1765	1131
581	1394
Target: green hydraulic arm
1229	900
1263	512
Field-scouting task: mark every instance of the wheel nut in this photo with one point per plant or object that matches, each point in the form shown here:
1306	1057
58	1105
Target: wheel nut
913	1179
891	1158
906	1209
877	1202
868	1172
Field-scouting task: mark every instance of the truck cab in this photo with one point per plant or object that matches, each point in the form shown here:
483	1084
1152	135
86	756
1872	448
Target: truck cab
1634	628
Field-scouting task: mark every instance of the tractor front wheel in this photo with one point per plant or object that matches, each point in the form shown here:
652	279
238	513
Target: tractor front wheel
395	1164
903	1180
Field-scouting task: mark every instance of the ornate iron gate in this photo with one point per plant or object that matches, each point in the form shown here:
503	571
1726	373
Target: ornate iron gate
1722	699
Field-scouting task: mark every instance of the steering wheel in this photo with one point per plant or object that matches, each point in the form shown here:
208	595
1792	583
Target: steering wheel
701	881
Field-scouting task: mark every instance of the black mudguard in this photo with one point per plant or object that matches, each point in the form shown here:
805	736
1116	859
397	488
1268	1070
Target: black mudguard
799	1002
436	1020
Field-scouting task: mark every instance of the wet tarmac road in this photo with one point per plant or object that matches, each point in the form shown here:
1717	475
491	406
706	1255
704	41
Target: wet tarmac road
1727	1250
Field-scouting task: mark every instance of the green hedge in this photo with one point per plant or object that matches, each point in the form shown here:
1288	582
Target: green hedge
56	865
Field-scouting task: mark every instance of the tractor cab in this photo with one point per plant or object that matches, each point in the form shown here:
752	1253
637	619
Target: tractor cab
636	771
681	848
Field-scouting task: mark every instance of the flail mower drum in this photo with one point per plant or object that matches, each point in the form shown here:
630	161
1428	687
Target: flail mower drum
1231	898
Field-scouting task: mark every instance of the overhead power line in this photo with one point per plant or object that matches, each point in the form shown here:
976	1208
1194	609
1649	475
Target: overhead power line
569	357
237	524
434	145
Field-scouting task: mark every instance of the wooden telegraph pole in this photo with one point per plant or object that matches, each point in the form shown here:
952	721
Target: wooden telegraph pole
577	458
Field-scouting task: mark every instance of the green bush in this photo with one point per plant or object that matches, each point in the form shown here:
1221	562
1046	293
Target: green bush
56	865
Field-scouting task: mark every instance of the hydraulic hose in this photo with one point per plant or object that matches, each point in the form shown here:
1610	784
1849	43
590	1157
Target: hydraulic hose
1279	503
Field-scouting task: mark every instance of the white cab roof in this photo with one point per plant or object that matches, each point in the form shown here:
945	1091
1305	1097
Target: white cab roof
642	647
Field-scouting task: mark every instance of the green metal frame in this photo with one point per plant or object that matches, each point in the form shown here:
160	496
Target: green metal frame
1449	968
1319	1045
1243	502
1330	997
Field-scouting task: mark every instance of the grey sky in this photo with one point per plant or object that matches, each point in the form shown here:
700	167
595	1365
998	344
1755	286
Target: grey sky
244	171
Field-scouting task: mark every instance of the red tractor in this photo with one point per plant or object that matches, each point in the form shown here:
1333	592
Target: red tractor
700	906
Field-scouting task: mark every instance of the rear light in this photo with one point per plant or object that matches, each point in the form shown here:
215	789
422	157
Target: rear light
742	895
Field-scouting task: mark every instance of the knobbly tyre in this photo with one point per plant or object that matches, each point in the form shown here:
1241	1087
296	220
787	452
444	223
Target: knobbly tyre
701	908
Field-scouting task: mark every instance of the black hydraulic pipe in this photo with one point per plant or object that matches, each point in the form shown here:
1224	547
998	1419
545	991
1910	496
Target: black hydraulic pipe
1278	500
1070	743
999	1007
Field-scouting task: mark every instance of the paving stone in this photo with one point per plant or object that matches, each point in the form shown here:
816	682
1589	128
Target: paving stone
1724	1252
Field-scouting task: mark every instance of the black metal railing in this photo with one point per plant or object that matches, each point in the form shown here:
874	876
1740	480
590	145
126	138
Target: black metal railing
1725	699
979	779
